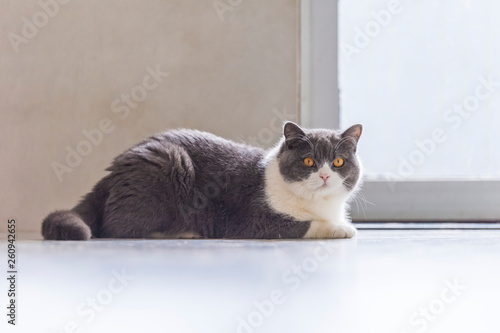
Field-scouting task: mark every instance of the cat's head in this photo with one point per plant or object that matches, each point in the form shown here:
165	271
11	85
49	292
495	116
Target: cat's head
319	161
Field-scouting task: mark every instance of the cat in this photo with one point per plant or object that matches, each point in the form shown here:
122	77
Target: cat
191	184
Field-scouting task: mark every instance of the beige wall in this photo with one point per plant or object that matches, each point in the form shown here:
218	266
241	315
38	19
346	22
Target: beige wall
68	75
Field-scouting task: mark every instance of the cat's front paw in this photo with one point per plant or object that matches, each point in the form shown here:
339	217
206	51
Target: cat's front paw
343	230
329	230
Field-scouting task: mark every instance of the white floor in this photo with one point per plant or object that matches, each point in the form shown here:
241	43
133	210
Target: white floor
381	281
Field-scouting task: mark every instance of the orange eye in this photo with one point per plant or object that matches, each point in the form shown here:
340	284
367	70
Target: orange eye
308	162
338	162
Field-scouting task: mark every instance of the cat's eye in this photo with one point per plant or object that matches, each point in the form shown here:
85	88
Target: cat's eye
309	162
338	162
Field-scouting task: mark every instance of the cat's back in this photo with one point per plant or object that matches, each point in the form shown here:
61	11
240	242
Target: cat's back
200	142
204	147
206	151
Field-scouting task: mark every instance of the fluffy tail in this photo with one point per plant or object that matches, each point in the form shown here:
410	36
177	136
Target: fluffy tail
65	225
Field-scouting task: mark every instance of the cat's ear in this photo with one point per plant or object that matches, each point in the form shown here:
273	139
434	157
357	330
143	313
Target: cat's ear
294	135
353	132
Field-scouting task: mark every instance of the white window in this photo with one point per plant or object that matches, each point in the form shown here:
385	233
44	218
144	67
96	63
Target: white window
423	77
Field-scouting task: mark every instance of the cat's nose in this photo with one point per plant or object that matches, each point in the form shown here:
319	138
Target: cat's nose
324	177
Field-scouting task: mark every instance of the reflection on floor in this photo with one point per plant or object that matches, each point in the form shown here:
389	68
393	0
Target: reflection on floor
381	281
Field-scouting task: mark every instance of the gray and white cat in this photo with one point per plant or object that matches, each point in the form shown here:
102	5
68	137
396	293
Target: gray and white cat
186	183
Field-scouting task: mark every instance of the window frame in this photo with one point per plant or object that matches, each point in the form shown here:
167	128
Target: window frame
387	200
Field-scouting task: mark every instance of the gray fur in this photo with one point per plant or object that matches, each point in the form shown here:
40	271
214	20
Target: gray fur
186	181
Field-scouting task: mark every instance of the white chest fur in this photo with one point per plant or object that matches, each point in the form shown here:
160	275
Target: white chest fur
326	211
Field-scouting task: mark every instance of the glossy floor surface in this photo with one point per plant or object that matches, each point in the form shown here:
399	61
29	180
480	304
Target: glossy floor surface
381	281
